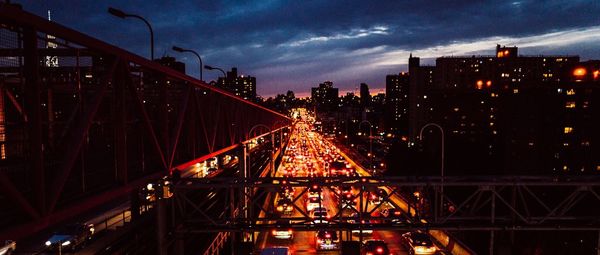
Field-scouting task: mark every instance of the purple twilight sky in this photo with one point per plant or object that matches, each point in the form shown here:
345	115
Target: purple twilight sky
294	45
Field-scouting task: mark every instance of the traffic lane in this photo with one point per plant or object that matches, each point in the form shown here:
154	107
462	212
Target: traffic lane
303	241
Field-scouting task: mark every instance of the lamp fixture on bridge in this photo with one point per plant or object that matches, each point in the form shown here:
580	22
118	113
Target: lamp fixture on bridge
121	14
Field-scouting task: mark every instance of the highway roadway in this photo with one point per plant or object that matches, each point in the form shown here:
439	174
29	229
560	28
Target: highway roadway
303	159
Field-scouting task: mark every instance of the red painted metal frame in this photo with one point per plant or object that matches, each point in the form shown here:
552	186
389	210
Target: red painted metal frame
222	133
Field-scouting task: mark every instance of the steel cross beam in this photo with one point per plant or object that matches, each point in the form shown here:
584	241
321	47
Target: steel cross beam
467	203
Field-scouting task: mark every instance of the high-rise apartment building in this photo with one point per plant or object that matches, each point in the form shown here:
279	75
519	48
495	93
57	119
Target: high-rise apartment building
506	113
241	86
325	96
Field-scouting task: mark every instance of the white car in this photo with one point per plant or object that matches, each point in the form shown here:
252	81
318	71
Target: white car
312	203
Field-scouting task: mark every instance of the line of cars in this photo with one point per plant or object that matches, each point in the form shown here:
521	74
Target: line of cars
313	156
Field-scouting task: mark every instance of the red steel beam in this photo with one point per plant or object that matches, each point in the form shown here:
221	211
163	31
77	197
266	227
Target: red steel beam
15	195
140	105
77	139
182	112
24	230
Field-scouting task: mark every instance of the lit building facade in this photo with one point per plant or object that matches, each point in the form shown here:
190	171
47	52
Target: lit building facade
396	103
508	113
241	86
325	96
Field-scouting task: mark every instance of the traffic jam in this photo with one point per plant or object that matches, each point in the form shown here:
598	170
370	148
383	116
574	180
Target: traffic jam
311	155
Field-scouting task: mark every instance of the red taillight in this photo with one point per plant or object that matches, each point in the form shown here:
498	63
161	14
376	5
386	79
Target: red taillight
327	235
274	232
369	253
379	250
290	231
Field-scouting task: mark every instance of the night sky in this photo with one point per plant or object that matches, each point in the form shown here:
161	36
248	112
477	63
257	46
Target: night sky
294	45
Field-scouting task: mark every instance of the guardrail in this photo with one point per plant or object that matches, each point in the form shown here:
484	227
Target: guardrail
217	244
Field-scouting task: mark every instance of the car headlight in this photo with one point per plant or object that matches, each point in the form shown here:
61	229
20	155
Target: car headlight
424	249
48	243
66	243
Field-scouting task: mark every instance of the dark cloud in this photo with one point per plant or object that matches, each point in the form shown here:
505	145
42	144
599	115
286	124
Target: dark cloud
297	44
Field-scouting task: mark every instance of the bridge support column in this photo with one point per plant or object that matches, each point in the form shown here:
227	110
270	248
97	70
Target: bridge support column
493	221
33	112
120	126
134	201
161	226
598	244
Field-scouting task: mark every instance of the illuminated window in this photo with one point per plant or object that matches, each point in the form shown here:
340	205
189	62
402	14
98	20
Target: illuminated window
515	91
570	104
570	92
456	109
568	130
488	84
579	72
479	84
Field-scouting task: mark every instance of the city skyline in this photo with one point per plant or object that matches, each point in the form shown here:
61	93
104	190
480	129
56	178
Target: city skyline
295	47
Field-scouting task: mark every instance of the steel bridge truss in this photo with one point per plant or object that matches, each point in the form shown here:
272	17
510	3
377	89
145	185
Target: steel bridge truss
83	123
517	203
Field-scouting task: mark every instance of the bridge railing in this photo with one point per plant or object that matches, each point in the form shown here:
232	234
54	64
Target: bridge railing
87	122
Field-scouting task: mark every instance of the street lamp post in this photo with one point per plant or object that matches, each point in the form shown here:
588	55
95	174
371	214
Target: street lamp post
122	14
179	49
442	163
207	67
370	142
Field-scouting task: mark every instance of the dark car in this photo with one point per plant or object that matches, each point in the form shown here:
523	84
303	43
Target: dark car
71	237
365	223
283	230
284	205
327	240
375	247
